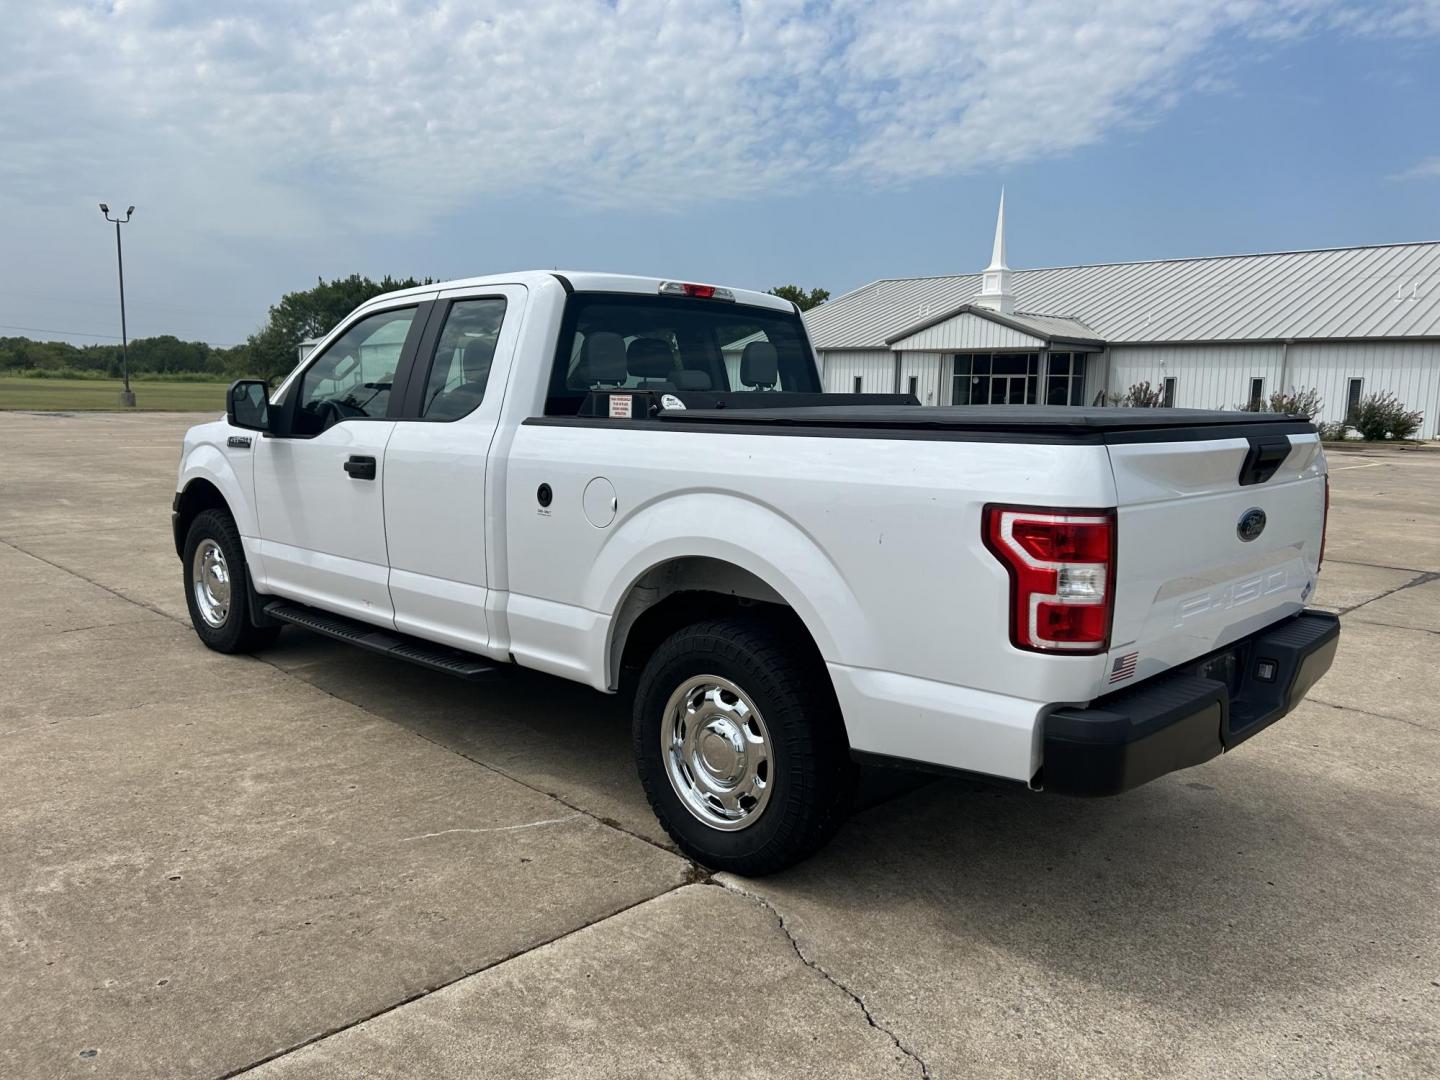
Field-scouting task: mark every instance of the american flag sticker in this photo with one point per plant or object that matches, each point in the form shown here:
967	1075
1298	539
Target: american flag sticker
1124	667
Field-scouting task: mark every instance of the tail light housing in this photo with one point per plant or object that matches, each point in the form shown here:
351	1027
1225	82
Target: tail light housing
1324	525
1062	575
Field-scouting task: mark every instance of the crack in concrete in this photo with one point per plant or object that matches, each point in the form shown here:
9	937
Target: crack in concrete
91	581
1398	626
496	828
1376	566
340	1029
1423	577
1374	715
816	967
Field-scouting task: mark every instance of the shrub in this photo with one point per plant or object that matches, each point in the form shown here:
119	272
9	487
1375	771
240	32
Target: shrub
1302	402
1383	416
1140	396
1334	432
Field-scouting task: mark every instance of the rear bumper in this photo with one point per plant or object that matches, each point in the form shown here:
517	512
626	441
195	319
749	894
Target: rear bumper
1188	715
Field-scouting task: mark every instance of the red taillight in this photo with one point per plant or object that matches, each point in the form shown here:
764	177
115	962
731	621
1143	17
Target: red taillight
700	292
1324	525
1062	570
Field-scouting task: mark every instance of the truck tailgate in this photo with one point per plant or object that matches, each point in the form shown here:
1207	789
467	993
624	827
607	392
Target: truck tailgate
1204	559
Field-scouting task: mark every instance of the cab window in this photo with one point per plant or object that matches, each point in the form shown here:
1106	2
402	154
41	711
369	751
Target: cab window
353	377
672	344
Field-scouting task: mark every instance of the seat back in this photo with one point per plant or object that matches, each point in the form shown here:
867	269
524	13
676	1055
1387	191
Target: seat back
651	360
691	380
759	366
601	363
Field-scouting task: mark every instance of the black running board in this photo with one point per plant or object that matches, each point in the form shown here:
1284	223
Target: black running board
387	642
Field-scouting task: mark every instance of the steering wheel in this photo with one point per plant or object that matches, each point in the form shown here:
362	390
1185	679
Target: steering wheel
329	412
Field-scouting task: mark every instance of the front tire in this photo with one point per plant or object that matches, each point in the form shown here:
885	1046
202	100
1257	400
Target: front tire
740	746
217	586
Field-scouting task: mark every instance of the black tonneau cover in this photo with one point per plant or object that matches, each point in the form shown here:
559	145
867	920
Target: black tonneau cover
1020	422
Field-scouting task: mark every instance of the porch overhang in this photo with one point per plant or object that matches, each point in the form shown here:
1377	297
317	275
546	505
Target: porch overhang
972	328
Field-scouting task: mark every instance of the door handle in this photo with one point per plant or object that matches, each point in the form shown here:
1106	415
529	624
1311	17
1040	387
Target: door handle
360	467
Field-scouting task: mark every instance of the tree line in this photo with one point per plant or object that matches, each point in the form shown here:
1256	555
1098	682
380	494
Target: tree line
268	353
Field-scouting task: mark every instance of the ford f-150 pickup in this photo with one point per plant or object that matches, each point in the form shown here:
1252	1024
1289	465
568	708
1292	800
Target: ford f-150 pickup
638	484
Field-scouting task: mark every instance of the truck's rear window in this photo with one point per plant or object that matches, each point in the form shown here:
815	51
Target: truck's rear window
610	341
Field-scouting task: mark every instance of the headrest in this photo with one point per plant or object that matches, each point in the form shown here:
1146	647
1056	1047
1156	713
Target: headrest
650	358
475	360
602	359
690	380
759	365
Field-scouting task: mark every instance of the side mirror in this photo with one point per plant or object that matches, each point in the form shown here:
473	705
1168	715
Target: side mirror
247	404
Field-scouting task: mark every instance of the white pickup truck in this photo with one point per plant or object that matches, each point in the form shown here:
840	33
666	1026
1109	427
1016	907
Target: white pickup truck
637	484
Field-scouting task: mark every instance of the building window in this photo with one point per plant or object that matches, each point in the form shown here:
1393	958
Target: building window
996	379
1257	394
1065	382
915	387
1167	397
859	381
1352	399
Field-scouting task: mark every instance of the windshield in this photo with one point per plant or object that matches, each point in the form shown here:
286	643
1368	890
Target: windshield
675	344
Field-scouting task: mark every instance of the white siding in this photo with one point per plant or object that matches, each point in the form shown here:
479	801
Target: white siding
1410	370
875	367
1206	376
968	333
927	369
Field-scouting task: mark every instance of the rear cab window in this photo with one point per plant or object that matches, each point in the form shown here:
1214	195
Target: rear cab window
615	341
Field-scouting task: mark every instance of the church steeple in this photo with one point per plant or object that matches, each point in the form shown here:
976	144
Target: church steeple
995	281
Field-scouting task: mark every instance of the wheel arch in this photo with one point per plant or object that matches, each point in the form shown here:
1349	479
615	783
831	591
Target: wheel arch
199	495
209	482
722	552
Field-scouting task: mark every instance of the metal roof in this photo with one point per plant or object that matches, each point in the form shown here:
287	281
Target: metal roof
1385	291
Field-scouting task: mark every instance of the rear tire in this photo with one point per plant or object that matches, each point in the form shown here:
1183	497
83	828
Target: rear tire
740	746
217	586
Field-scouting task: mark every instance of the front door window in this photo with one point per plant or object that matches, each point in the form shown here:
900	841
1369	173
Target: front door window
352	378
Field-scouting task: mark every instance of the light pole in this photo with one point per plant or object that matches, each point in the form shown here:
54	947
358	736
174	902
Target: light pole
127	397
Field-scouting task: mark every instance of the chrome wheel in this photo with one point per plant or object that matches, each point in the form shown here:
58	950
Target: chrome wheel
210	581
717	752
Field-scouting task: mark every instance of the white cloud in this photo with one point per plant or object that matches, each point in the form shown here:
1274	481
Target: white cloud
1428	169
397	111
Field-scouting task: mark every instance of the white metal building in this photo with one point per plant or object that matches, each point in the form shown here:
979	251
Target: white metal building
1212	333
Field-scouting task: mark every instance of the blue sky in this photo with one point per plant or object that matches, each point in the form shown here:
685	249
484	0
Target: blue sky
824	142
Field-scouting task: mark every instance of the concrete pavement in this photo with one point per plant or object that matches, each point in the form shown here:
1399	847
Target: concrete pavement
324	864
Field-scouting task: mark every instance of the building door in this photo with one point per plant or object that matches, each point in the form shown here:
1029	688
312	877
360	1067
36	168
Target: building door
995	378
1008	389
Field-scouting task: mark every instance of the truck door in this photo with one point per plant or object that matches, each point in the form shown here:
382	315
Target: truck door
437	479
319	480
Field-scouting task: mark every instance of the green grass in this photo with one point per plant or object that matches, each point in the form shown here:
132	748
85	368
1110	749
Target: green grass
66	395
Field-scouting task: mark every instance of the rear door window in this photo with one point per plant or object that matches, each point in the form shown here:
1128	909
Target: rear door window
460	370
676	344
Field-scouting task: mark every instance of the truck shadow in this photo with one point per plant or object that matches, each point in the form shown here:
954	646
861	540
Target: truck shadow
556	736
1230	880
1222	885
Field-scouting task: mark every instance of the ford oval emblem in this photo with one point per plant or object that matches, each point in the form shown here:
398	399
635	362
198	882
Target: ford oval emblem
1252	524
